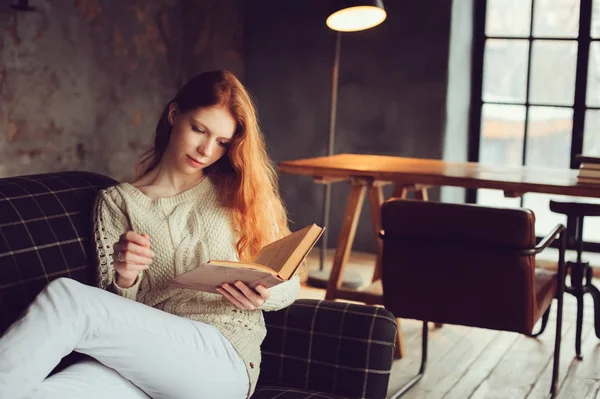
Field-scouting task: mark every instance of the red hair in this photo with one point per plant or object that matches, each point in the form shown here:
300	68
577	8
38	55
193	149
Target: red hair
245	175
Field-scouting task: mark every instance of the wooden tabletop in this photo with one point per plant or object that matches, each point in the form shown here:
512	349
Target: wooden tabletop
516	179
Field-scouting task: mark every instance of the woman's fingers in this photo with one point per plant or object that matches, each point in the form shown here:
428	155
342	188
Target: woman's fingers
132	253
130	267
230	297
264	292
257	299
239	297
133	248
243	296
142	240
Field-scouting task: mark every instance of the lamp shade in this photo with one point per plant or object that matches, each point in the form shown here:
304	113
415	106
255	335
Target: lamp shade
356	15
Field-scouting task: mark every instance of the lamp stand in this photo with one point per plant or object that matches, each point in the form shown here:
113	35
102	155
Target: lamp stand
320	278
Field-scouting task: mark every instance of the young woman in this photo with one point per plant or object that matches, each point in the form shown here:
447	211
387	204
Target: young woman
207	190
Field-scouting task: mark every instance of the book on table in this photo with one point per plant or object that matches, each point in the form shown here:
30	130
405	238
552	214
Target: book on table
587	159
589	169
276	263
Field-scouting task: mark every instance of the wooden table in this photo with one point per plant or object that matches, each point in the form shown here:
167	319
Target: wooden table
368	173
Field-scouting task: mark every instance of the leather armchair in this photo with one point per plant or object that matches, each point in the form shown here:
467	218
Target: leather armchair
468	265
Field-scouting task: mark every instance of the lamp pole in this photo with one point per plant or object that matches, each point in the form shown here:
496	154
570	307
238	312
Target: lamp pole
348	16
330	144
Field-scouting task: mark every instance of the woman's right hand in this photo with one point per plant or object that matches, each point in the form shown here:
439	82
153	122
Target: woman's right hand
132	254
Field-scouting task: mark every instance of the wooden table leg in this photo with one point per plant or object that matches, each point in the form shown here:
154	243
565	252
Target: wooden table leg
399	352
375	201
421	193
346	237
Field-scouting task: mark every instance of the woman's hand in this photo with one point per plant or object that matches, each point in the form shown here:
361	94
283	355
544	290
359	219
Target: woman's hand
243	296
132	254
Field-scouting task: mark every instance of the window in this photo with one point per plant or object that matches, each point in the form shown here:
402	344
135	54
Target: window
536	93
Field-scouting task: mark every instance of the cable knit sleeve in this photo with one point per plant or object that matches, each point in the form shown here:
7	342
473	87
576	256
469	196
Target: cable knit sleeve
110	221
282	295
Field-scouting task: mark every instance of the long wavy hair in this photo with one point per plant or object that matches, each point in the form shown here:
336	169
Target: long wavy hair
245	176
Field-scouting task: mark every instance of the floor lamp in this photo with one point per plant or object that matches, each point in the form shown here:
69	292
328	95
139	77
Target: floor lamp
347	16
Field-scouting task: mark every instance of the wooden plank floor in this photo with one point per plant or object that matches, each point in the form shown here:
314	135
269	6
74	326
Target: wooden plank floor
475	363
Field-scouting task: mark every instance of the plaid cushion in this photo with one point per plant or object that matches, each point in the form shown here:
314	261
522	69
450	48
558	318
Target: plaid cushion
339	349
45	227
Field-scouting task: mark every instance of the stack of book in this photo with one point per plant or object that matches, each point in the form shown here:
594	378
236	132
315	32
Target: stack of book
589	170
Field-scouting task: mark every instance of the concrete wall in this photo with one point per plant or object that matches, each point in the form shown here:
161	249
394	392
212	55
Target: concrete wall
392	95
83	82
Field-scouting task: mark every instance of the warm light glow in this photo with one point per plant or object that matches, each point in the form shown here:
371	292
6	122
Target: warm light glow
356	18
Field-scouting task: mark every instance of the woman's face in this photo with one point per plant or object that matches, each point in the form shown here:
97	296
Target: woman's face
199	137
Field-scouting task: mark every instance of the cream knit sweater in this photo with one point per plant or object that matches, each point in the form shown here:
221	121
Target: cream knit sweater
185	230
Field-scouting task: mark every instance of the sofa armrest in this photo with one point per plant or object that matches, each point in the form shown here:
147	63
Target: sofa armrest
332	347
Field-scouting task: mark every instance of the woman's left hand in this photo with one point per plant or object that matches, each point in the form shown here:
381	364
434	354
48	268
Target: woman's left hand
243	296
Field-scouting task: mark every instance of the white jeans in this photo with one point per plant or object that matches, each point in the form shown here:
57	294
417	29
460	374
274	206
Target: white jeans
143	351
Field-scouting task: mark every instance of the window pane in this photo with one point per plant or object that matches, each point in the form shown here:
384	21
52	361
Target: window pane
560	120
496	198
596	19
549	137
545	219
553	72
591	133
502	130
508	18
556	18
593	82
505	70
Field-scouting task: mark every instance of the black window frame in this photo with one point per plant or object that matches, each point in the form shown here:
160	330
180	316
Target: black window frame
579	107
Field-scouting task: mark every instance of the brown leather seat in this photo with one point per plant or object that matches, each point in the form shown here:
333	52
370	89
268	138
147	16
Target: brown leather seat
469	265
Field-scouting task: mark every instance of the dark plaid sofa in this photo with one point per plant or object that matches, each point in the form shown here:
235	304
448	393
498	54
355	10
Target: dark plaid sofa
314	349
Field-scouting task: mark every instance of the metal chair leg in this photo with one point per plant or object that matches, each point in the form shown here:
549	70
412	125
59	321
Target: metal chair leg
417	377
557	342
579	326
545	318
559	314
596	296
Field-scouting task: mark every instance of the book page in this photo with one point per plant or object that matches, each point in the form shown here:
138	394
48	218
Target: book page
255	266
207	277
276	254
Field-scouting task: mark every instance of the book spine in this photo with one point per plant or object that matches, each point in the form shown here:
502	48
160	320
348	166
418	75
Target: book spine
590	166
588	180
589	173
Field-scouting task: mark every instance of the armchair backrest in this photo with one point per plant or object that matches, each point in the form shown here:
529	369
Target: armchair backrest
45	229
459	264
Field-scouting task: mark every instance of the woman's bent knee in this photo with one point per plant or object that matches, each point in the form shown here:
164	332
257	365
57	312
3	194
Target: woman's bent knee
63	283
65	287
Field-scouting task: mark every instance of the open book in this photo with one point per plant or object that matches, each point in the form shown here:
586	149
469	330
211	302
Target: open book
275	264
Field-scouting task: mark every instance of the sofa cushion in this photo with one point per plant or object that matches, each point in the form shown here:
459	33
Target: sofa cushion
343	349
45	227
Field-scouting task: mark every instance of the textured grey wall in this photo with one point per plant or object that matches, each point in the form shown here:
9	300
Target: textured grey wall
83	82
392	95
